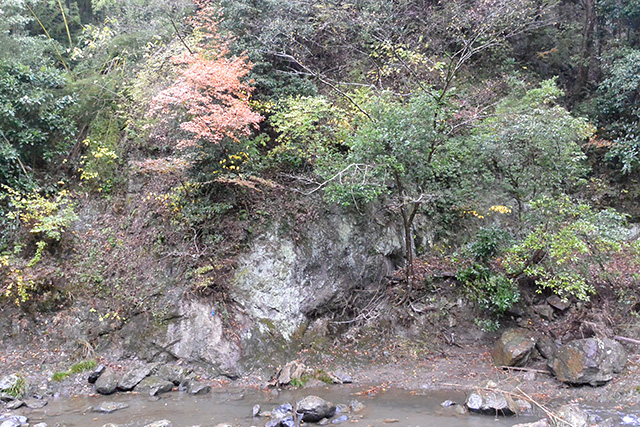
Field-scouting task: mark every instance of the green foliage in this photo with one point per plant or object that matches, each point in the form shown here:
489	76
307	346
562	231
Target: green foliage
532	145
76	368
46	218
568	240
493	292
34	112
489	243
618	108
309	128
19	388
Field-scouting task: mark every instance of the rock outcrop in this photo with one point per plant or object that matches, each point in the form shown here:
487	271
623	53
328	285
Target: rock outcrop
592	361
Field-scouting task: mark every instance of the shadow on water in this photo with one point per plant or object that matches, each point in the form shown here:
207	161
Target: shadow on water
234	406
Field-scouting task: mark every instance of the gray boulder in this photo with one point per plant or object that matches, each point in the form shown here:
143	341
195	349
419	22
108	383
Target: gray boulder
573	415
133	376
153	386
93	376
491	403
198	388
591	361
107	382
513	348
109	407
314	408
172	372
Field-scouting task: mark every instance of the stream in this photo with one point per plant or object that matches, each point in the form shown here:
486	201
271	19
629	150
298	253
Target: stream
234	406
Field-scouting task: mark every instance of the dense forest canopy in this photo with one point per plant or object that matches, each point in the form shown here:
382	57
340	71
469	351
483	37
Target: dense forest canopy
516	122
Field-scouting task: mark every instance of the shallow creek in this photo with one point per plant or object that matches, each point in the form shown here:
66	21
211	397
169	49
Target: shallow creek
234	406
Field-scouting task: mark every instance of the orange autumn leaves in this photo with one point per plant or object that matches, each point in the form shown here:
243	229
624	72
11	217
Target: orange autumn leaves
210	96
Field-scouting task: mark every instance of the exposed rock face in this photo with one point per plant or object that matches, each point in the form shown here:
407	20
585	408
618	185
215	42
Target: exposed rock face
591	361
314	408
513	348
107	382
198	336
282	278
491	403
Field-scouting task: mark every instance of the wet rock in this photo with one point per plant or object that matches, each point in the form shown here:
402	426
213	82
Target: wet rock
314	408
491	403
341	409
573	415
289	372
40	425
324	422
15	404
93	376
539	423
153	386
8	420
340	378
133	376
35	403
6	397
341	419
591	361
109	407
255	411
161	423
558	303
523	407
282	411
107	382
198	388
172	372
513	348
448	403
356	406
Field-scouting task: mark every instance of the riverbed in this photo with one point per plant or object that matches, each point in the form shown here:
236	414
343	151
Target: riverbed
233	406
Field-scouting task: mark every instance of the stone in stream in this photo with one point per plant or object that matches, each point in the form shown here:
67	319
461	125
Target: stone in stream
107	382
540	423
161	423
491	403
6	397
40	425
513	348
198	388
154	385
35	403
573	415
93	376
591	361
8	420
133	376
341	419
109	407
314	408
15	404
356	406
171	372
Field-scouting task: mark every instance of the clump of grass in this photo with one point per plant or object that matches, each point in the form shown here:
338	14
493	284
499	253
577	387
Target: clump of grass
83	366
19	388
76	368
59	376
323	376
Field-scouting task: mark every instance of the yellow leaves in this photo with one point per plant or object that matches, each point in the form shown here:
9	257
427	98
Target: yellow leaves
500	209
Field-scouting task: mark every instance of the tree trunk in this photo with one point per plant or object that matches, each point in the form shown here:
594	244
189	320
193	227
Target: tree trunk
586	47
86	10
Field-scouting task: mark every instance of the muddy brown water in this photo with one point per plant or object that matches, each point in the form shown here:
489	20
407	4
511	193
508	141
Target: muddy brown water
234	406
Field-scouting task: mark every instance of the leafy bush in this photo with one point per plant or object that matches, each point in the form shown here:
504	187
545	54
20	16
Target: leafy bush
567	242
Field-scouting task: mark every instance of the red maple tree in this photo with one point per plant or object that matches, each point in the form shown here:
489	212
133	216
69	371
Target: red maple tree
210	96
